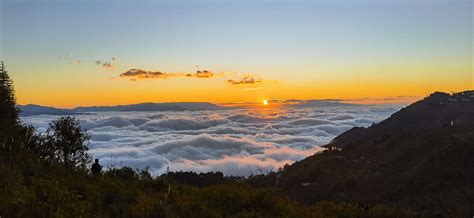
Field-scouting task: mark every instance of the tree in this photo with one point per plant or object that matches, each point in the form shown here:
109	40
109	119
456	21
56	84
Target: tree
67	142
9	118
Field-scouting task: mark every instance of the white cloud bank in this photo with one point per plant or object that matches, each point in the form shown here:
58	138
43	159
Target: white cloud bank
235	142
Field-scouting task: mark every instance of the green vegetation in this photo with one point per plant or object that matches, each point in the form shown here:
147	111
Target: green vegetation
421	157
67	141
47	175
35	188
8	111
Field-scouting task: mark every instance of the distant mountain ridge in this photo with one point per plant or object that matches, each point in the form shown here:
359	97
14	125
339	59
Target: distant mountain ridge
173	106
316	103
31	109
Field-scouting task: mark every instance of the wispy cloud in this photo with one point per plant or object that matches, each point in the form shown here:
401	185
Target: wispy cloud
231	78
105	64
246	80
201	74
143	74
135	74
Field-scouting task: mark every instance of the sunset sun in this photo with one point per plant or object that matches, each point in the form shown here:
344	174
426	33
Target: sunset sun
265	102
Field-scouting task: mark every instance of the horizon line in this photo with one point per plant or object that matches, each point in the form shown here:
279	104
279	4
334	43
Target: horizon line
275	101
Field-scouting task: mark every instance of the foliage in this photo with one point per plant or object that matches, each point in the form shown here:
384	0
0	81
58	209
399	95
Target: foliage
430	172
9	117
420	157
198	180
67	140
32	187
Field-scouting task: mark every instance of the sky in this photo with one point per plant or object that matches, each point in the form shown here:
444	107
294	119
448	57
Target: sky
79	53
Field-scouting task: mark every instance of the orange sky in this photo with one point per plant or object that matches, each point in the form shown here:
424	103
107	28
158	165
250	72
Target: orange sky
68	54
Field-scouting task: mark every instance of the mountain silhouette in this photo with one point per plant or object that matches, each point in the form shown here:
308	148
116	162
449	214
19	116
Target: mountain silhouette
30	109
435	111
175	106
33	109
421	157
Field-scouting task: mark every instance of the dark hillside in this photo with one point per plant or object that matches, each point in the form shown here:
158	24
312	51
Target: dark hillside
421	157
439	110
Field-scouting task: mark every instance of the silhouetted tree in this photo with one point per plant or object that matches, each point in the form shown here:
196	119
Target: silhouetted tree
28	139
67	141
9	118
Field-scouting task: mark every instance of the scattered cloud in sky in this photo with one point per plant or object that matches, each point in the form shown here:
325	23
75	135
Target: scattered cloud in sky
234	141
246	80
106	64
201	74
143	74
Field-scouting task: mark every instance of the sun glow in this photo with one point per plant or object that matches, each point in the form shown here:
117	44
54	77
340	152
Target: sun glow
265	102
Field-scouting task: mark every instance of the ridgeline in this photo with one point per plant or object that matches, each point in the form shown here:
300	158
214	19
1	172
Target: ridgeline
421	157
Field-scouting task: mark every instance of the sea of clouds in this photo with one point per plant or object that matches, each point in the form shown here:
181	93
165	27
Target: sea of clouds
233	141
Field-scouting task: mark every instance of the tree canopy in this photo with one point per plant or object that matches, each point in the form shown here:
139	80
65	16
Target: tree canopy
67	140
9	113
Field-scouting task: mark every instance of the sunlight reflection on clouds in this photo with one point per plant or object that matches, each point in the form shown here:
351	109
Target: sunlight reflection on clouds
232	141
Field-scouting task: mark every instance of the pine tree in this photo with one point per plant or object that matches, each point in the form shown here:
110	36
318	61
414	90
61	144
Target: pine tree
9	113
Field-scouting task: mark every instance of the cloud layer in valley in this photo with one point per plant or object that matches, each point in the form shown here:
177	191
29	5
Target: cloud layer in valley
234	141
